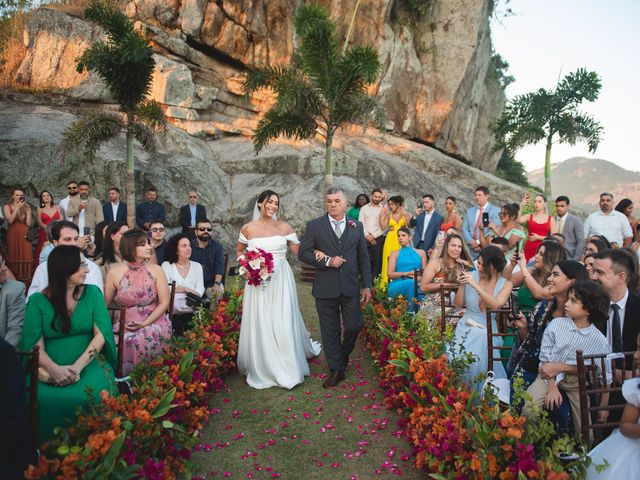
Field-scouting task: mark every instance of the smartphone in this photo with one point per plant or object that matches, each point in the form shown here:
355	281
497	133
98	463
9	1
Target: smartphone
441	235
515	304
485	219
86	231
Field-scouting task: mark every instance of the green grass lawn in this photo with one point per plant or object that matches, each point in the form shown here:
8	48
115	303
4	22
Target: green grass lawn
308	432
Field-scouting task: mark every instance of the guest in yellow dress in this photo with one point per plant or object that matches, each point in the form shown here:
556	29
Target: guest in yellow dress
392	217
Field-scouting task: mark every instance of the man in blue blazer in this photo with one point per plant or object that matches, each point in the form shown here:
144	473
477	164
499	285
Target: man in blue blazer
427	224
473	220
114	210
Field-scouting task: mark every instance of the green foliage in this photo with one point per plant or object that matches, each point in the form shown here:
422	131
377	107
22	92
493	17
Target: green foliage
498	69
420	8
551	116
511	169
323	88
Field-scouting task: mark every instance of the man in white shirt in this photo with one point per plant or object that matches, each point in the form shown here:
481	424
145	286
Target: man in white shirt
64	233
612	225
370	217
72	188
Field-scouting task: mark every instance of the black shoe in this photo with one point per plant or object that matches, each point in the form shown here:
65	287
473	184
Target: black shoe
330	381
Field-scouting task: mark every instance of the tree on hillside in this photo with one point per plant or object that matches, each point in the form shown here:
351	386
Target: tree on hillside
126	64
322	89
551	116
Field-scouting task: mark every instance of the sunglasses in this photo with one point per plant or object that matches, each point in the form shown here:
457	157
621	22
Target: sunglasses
156	229
192	196
205	229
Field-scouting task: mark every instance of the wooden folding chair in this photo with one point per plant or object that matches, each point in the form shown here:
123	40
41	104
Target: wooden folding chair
591	382
502	322
447	307
119	314
22	270
31	360
172	298
417	274
226	267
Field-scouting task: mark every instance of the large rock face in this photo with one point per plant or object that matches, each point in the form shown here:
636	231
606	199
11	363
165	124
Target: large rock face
434	84
225	172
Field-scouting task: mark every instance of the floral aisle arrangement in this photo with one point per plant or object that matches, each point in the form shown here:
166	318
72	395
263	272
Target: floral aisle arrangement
151	433
455	433
256	265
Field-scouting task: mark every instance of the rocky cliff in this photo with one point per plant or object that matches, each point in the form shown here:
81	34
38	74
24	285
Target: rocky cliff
435	88
434	84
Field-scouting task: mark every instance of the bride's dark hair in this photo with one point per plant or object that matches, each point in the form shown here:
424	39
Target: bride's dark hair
267	194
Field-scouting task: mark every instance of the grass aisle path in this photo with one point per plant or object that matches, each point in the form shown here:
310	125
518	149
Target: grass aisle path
308	432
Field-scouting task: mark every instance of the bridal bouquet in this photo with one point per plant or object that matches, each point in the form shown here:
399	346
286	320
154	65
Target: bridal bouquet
256	265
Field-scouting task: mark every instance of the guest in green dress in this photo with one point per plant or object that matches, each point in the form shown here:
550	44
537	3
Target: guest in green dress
71	324
354	211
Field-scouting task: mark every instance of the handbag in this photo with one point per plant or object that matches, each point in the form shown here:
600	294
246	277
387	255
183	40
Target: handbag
32	234
180	304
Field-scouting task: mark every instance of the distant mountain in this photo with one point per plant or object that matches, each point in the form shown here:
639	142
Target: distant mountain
584	179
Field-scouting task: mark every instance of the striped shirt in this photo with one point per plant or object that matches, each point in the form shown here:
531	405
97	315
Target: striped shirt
562	338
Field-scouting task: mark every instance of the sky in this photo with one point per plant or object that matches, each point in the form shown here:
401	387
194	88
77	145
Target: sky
547	39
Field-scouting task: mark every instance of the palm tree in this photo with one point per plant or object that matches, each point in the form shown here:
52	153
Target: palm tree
323	88
126	64
547	115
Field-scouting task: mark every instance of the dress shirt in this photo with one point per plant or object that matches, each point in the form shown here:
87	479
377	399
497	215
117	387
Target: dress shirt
40	279
614	227
560	221
480	211
114	209
192	209
562	338
427	219
81	222
211	258
370	217
622	303
64	204
334	222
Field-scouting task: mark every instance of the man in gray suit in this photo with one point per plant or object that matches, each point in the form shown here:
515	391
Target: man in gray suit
570	227
12	306
343	262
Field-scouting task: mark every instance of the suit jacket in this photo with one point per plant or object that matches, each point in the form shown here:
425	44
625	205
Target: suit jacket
12	308
573	232
333	282
92	212
432	230
185	216
121	213
470	222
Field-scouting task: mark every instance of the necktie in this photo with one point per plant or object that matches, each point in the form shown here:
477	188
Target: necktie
337	228
560	225
478	223
616	334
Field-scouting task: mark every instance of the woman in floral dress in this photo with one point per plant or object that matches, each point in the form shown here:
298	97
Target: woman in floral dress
142	288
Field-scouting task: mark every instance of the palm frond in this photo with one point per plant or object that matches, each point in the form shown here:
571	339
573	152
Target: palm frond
90	131
150	112
273	124
363	62
362	109
295	94
113	21
144	135
262	76
580	127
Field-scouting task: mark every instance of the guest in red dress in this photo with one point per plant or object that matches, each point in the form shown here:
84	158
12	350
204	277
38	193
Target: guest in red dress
539	224
18	215
46	213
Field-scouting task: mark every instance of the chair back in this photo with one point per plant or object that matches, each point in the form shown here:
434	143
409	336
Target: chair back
502	323
226	267
592	382
31	360
447	307
172	299
119	314
417	274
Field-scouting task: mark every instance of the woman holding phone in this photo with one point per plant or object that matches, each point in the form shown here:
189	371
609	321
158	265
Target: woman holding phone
508	229
18	215
539	224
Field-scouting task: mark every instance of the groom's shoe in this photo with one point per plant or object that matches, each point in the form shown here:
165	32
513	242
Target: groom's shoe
334	378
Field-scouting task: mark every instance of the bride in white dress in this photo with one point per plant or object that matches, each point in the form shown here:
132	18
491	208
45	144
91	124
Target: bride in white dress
274	342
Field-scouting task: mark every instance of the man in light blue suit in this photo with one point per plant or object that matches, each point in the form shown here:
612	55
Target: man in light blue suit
473	220
426	224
